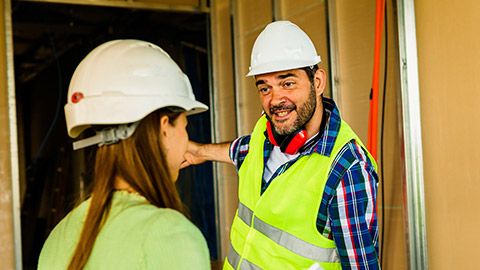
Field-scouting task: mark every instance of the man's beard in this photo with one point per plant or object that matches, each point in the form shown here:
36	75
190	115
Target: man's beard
304	114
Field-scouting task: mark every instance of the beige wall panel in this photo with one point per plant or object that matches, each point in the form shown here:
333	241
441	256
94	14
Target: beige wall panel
7	258
223	73
394	242
356	29
291	7
448	38
224	116
251	15
311	17
249	107
249	18
230	188
394	249
195	3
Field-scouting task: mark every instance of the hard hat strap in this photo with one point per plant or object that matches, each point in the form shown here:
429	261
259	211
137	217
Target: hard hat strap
109	135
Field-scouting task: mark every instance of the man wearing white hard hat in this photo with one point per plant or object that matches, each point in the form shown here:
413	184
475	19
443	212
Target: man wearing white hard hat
307	184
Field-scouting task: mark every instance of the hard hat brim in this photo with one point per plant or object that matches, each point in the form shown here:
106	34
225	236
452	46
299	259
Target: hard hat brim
281	66
117	113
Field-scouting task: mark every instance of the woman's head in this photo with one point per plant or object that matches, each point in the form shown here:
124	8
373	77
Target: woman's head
144	163
147	160
140	98
131	91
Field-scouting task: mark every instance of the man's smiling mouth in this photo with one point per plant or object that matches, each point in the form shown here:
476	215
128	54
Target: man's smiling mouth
282	113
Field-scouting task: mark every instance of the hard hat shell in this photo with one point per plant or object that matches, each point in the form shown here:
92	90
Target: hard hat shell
122	81
282	45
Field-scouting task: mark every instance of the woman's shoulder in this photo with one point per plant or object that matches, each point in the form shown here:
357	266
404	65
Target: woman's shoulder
179	241
136	209
139	216
62	240
169	221
167	237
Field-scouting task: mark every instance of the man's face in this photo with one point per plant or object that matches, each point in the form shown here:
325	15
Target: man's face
288	98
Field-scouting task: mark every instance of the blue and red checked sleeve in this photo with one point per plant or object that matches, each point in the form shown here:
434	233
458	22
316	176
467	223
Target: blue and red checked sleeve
352	209
239	150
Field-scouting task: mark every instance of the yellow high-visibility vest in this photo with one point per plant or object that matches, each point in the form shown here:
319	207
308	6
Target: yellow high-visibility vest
277	230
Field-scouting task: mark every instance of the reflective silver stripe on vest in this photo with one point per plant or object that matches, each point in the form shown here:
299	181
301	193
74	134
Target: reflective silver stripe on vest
233	258
295	244
246	265
245	214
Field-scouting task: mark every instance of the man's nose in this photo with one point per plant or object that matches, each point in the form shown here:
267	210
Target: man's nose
278	97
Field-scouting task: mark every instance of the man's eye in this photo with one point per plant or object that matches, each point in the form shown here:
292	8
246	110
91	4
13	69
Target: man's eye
263	89
288	84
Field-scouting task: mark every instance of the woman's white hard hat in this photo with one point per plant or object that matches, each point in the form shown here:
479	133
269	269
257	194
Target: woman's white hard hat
282	45
121	82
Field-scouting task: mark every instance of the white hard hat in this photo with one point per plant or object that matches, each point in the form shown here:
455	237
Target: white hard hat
282	45
122	81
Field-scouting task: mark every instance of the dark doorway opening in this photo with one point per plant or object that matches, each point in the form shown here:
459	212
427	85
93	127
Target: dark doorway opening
49	42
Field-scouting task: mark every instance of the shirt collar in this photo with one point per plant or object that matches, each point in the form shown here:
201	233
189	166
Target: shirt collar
325	144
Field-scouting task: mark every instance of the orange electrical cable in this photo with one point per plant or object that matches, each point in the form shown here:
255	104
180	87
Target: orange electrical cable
373	117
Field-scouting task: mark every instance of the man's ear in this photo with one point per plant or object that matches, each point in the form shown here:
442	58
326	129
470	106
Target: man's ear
319	80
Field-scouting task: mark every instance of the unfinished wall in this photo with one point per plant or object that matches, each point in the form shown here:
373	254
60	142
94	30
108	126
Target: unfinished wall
172	2
6	216
356	30
249	19
224	125
448	39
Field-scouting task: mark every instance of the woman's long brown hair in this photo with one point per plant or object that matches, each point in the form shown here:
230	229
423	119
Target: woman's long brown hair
139	160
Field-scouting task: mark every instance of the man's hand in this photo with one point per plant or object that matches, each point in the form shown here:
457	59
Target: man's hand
199	153
192	156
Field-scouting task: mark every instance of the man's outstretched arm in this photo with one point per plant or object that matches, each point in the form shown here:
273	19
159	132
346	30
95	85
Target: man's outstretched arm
198	153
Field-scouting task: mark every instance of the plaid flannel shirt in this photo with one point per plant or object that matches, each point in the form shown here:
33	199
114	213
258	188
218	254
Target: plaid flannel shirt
347	212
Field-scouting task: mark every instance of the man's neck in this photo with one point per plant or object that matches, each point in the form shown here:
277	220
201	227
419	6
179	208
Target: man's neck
313	126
